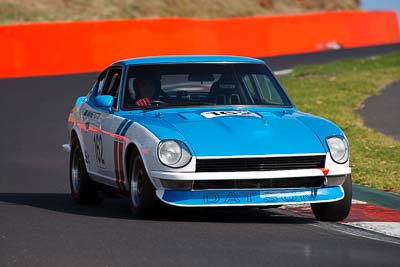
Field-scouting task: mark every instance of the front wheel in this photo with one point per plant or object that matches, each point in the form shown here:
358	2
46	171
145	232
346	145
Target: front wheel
83	189
142	194
338	210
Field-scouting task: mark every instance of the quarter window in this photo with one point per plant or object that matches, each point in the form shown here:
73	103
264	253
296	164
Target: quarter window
109	85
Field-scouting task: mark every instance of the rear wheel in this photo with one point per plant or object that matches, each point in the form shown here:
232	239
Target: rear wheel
338	210
83	190
142	194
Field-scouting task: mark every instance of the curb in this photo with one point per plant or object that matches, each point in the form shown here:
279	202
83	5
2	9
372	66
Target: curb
376	197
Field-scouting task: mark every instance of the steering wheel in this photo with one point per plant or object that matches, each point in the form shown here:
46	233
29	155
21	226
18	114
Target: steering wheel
158	103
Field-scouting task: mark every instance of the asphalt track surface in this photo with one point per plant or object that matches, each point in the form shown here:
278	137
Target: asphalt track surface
41	226
382	112
290	61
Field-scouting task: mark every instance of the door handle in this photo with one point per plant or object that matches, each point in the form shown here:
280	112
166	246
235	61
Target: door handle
87	124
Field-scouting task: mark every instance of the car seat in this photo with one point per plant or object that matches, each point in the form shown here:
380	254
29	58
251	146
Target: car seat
224	92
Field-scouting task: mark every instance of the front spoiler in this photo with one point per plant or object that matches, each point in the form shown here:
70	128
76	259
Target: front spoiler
253	197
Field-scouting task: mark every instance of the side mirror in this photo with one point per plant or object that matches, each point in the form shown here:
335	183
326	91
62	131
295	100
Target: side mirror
104	101
80	100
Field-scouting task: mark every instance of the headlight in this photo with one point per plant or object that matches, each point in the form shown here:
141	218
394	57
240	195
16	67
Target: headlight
173	153
339	149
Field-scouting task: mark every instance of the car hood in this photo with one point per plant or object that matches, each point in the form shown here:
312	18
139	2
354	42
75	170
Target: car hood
232	132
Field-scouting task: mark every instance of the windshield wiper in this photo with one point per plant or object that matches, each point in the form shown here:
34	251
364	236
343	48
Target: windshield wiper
155	104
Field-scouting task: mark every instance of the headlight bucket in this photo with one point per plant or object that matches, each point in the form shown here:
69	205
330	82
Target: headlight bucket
338	148
173	153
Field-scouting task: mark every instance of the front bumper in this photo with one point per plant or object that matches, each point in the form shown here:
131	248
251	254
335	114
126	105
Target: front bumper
183	193
253	197
179	176
248	180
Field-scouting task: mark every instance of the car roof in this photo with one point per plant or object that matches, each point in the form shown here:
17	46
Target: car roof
187	59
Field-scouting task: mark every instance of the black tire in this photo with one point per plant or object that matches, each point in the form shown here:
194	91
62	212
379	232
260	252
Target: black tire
83	189
338	210
142	194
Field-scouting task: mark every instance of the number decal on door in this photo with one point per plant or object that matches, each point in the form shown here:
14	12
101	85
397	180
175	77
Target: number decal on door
98	150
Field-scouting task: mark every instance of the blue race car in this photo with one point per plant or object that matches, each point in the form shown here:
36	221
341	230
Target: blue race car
203	131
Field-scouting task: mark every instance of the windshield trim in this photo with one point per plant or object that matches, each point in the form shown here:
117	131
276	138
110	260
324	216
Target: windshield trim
146	109
268	69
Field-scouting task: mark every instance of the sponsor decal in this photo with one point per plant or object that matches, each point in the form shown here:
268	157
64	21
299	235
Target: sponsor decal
227	86
293	197
230	113
252	197
92	115
234	197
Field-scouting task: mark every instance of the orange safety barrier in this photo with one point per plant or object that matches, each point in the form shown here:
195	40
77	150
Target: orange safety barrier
85	46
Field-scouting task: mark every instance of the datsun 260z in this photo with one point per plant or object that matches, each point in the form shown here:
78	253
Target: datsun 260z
203	131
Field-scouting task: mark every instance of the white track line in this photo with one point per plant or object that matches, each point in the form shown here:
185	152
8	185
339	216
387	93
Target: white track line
283	72
355	201
387	228
358	231
346	228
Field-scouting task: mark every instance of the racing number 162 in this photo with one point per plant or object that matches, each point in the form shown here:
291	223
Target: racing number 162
98	148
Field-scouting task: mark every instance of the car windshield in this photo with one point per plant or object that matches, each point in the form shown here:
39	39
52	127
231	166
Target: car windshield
202	84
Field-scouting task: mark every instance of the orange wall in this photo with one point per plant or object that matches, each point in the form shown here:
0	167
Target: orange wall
72	47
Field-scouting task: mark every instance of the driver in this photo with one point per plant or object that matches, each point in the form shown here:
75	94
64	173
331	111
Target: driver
145	90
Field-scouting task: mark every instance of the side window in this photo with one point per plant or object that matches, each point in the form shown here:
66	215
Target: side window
109	85
261	89
267	89
101	82
250	86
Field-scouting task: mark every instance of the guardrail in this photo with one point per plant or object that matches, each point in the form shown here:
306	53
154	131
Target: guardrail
85	46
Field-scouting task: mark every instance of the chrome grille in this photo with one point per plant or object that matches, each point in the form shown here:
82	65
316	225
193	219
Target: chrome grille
260	164
298	182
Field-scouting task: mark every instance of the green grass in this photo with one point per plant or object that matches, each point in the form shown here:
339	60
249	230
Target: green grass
335	91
